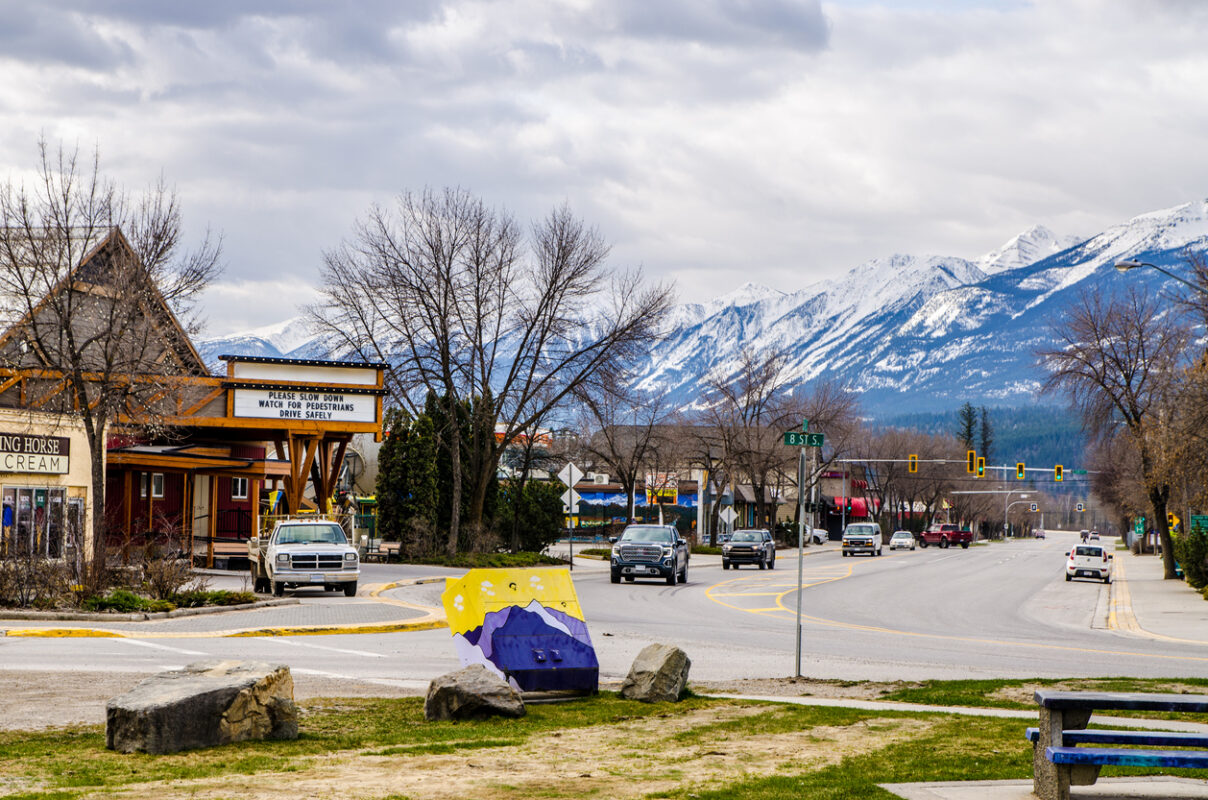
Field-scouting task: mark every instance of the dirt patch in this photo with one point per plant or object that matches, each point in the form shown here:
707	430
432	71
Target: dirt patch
803	687
629	759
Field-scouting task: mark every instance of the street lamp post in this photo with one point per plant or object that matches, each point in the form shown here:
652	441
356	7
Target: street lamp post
1126	265
1012	505
1007	507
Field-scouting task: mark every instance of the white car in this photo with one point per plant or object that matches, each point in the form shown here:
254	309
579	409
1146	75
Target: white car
819	536
903	540
1089	561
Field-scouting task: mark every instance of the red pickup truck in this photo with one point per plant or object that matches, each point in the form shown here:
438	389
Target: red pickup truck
945	535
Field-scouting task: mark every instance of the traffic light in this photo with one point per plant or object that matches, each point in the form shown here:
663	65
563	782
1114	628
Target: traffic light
1058	473
847	508
1019	470
913	464
981	466
972	461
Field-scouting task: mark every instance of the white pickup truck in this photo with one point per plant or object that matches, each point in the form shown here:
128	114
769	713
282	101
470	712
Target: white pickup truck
304	552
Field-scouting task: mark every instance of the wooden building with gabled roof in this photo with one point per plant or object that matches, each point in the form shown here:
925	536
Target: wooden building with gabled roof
189	458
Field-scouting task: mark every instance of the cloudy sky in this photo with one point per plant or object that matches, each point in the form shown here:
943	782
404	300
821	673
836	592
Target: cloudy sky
711	141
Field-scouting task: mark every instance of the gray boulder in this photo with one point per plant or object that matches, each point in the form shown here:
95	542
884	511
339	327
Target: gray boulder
472	692
658	675
205	704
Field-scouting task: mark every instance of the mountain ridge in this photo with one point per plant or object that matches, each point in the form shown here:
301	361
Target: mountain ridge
909	332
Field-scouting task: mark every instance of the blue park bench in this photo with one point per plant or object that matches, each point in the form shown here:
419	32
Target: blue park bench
1058	761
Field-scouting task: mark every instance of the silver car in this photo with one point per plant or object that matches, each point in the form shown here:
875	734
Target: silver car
903	540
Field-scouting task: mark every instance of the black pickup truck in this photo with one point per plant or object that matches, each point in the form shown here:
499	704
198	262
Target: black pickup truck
650	551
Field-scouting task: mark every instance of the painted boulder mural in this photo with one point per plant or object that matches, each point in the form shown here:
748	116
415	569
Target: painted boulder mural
526	625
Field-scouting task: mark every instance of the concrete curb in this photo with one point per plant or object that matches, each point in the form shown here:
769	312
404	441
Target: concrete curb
433	618
77	616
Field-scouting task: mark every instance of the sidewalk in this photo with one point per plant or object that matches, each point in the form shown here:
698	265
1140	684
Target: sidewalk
1144	604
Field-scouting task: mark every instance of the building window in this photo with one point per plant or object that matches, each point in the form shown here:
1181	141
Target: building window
238	488
142	483
157	484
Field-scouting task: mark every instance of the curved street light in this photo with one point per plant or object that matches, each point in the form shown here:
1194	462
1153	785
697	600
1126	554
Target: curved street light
1126	265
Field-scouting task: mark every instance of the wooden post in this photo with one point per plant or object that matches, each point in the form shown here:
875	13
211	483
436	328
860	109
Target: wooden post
213	519
186	510
254	494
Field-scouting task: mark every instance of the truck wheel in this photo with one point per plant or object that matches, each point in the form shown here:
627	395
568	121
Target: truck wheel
845	554
964	545
1067	576
278	589
725	564
763	561
671	576
944	543
350	589
683	576
615	576
923	543
772	563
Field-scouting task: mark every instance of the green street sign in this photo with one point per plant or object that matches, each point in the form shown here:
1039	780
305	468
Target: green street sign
1078	471
798	439
805	426
1139	526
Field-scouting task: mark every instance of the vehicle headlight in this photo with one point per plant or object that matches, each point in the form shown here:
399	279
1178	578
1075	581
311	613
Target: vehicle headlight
350	556
282	558
725	548
667	550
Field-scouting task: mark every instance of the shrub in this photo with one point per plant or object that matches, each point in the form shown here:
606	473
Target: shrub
219	597
1191	551
124	601
28	581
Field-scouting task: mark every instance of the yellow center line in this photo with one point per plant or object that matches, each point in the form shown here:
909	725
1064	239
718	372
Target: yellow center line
779	610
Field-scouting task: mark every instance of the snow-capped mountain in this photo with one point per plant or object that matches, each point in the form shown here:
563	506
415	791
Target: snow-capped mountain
907	332
293	338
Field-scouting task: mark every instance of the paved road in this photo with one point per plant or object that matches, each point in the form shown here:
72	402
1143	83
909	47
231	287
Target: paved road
1000	610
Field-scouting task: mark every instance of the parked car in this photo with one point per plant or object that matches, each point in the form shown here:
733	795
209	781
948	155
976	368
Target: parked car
819	536
749	546
650	551
1089	561
862	537
903	540
1038	533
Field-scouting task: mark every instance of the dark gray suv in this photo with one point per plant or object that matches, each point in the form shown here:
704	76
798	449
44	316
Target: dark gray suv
650	551
751	546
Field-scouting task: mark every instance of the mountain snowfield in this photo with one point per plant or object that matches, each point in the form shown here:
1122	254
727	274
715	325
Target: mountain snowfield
909	333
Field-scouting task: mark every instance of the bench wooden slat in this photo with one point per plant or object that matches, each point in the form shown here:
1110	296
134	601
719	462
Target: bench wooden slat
1150	738
1193	759
1100	701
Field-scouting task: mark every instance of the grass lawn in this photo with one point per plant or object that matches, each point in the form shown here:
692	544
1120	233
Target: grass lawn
601	747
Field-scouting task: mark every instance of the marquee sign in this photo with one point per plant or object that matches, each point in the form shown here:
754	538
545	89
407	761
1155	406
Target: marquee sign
44	455
305	404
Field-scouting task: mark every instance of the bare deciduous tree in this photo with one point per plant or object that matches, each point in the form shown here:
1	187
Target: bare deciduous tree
459	303
624	431
96	285
1119	360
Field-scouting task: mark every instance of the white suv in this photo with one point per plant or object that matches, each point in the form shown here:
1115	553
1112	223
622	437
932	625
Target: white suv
1089	561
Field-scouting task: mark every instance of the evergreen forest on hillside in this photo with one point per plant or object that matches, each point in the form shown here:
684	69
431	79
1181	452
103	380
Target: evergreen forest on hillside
1039	436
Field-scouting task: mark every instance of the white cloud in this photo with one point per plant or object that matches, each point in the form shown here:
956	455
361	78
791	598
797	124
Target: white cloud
765	140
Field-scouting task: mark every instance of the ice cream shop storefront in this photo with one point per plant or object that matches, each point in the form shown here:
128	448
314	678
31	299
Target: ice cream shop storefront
44	483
